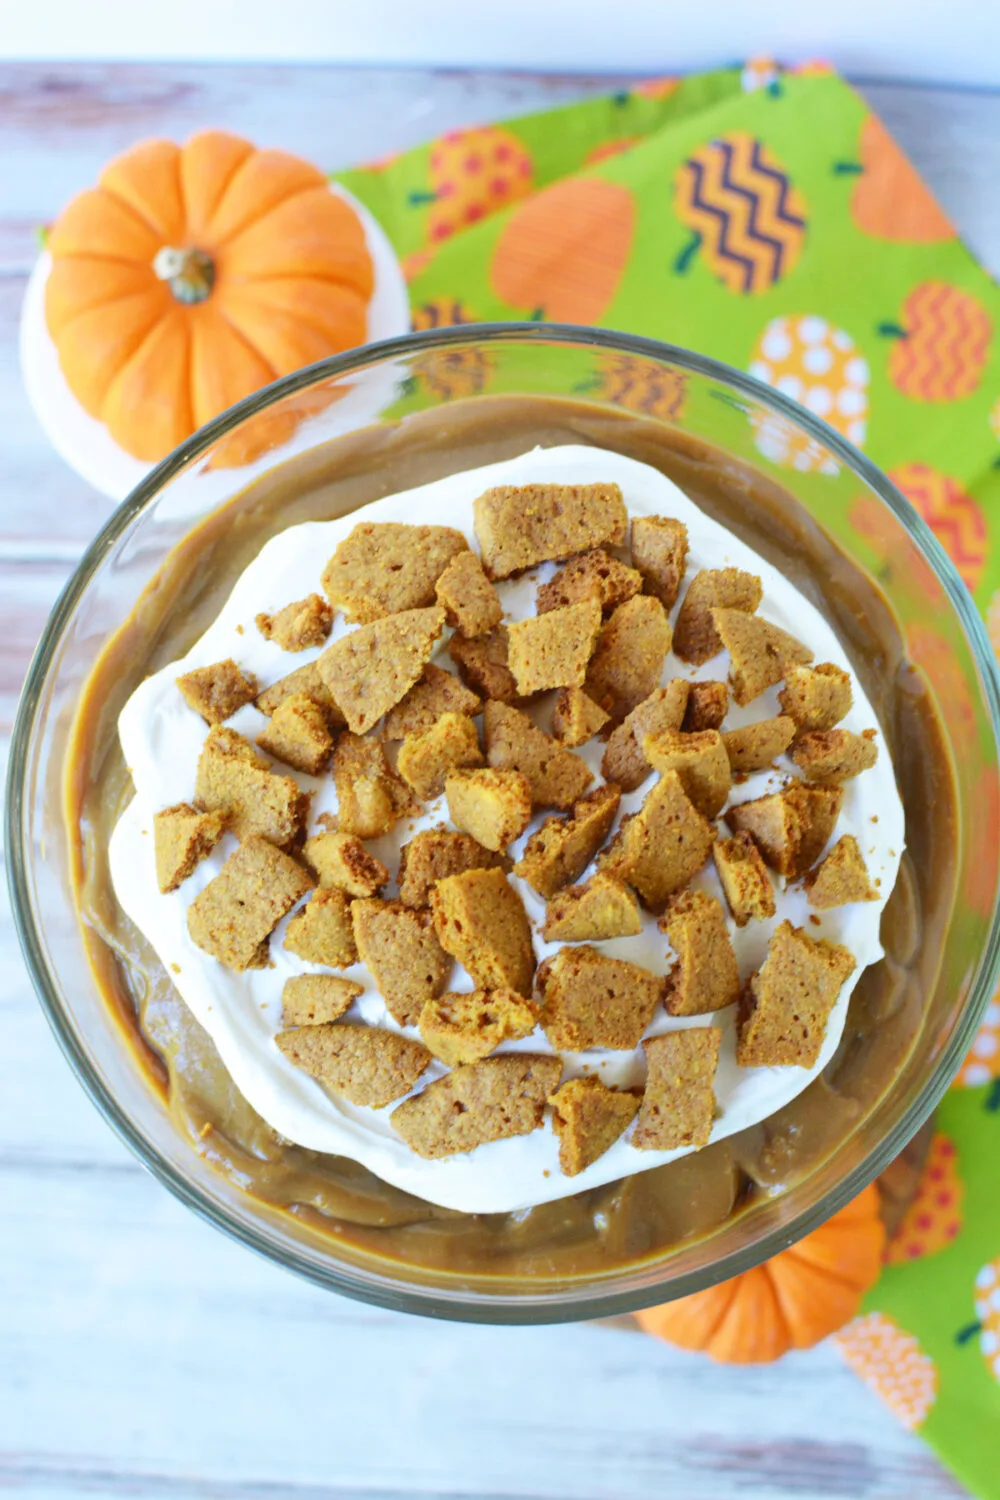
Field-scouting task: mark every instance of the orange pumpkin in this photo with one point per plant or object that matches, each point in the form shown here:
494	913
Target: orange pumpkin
193	275
891	201
561	254
790	1302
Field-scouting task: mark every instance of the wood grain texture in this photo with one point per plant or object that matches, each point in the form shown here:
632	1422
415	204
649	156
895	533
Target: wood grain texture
141	1353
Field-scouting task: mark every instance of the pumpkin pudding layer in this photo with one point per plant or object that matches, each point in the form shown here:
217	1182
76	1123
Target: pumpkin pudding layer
321	823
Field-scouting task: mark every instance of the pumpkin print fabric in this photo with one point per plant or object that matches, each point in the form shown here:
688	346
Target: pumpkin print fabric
768	218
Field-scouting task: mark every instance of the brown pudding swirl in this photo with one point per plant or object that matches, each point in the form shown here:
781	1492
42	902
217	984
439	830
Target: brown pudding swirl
640	1218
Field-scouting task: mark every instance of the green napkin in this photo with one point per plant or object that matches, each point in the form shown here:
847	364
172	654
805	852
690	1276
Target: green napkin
767	217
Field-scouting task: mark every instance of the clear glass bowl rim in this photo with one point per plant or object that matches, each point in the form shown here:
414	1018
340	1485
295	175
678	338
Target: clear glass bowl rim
595	1299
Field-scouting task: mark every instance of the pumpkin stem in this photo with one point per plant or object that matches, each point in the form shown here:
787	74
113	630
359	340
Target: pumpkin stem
891	331
848	168
189	273
688	254
969	1332
993	1097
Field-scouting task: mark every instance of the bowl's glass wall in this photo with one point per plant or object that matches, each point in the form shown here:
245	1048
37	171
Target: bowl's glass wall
871	522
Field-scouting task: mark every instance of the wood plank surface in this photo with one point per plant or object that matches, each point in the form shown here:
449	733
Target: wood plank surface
143	1354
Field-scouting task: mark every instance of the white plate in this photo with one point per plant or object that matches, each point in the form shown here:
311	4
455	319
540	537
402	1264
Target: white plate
85	443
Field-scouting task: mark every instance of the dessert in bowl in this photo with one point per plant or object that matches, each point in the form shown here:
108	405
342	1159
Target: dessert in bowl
543	890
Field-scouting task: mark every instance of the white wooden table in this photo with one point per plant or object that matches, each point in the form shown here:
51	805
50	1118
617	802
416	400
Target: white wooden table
141	1353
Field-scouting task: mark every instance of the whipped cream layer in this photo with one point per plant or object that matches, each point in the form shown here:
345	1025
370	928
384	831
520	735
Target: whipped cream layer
162	738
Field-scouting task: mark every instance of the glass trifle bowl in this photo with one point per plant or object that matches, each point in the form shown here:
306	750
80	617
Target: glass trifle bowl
323	443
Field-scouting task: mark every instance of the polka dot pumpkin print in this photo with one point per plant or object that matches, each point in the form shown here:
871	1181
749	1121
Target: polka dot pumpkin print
820	366
988	1314
934	1218
474	173
983	1062
892	1364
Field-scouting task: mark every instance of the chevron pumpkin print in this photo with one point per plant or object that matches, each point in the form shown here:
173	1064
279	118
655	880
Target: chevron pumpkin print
953	516
644	386
441	312
941	343
748	220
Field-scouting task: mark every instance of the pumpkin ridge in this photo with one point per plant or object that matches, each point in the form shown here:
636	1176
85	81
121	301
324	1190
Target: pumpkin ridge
130	208
178	324
238	332
732	1290
272	208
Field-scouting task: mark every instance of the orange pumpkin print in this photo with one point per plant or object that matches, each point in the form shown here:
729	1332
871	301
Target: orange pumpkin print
560	255
934	1218
642	385
608	149
415	264
656	88
821	367
748	221
933	654
790	1302
891	1363
891	201
984	841
983	1062
953	516
473	173
874	524
940	345
814	67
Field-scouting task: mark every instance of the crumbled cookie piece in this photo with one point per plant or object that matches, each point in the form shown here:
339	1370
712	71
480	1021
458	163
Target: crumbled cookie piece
520	525
841	878
398	946
592	575
787	1003
556	777
483	664
485	1101
369	670
756	746
705	976
218	691
298	735
576	718
588	1118
660	847
592	1001
479	919
232	779
790	827
425	760
434	853
678	1105
182	837
707	706
625	760
438	692
759	653
316	999
371	798
363	1064
234	915
602	908
469	600
494	806
340	861
659	551
816	697
562	848
817	808
305	623
696	638
745	881
462	1028
386	567
321	932
303	680
700	761
552	650
628	660
830	755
